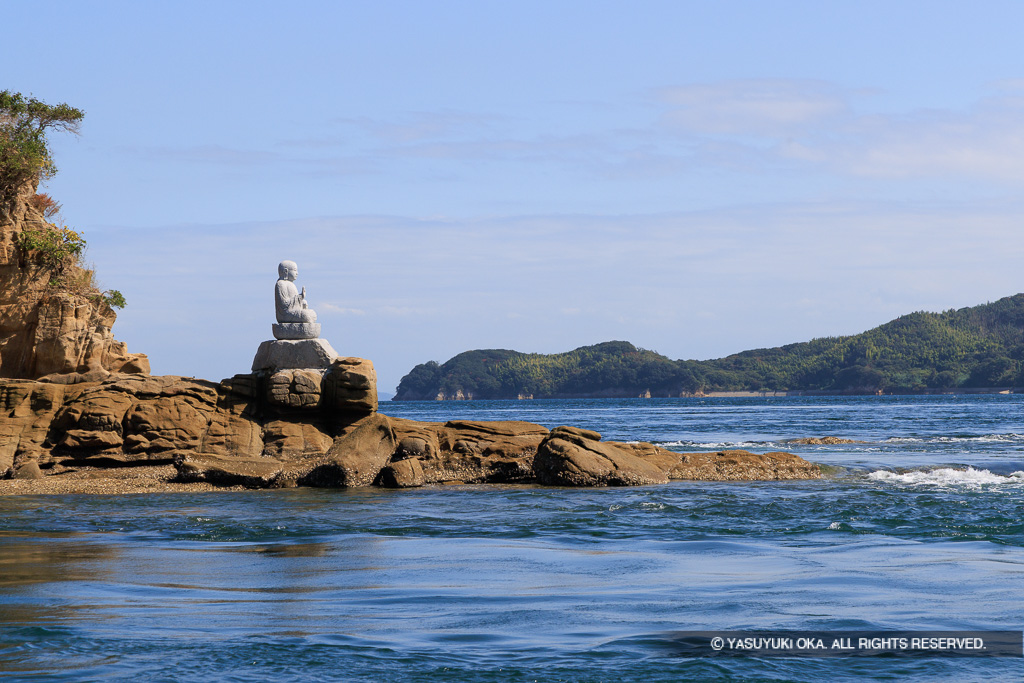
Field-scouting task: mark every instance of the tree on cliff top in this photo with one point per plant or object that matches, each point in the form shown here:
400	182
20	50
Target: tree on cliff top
24	154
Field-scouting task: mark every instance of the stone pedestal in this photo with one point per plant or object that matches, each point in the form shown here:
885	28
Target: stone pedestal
284	354
296	330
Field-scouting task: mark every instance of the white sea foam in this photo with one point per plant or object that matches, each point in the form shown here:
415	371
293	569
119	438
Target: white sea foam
980	438
717	445
947	477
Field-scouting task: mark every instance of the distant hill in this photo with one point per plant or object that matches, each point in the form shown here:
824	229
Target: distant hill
970	348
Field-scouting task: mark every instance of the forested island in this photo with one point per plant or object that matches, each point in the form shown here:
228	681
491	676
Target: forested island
980	347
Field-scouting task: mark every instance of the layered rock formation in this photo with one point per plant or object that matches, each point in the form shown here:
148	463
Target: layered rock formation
59	331
320	428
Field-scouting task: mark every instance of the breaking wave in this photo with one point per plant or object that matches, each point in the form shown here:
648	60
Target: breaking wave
959	438
947	477
715	445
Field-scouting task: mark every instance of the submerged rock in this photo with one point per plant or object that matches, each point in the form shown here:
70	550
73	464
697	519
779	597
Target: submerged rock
735	465
821	441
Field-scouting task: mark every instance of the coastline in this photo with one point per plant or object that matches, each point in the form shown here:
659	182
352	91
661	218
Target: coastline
809	392
109	481
745	394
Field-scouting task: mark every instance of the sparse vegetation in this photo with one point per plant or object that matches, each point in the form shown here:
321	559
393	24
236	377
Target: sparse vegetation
114	298
46	205
25	162
55	246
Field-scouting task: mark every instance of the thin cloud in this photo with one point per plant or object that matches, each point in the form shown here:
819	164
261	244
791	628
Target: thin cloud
752	107
334	308
423	125
206	154
982	141
758	124
755	127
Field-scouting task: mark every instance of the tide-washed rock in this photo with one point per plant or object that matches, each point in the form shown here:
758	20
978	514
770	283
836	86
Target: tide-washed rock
483	452
735	465
402	474
822	441
576	457
227	470
356	457
234	433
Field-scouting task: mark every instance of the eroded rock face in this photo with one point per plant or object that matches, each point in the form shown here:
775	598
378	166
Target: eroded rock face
27	416
402	474
356	457
258	431
350	384
295	388
61	336
577	457
254	430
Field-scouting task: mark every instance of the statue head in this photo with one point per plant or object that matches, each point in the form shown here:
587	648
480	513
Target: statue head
287	270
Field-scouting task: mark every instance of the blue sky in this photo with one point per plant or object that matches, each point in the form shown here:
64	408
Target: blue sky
697	178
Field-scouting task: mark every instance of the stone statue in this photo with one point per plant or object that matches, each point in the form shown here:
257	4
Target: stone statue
290	304
295	319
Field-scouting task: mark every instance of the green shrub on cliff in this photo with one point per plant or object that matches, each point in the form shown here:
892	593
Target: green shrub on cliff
26	161
114	298
56	246
24	154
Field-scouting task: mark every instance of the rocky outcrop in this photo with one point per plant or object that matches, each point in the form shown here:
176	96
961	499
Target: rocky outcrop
822	441
304	428
54	324
244	428
348	385
578	457
735	465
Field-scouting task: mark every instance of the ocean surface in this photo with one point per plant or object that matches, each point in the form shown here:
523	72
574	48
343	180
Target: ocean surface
919	527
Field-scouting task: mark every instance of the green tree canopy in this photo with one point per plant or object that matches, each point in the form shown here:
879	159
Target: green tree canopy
24	155
976	347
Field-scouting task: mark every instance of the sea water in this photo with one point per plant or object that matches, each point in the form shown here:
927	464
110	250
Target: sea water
918	527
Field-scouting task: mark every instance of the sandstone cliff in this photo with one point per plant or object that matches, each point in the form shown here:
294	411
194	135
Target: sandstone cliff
52	326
